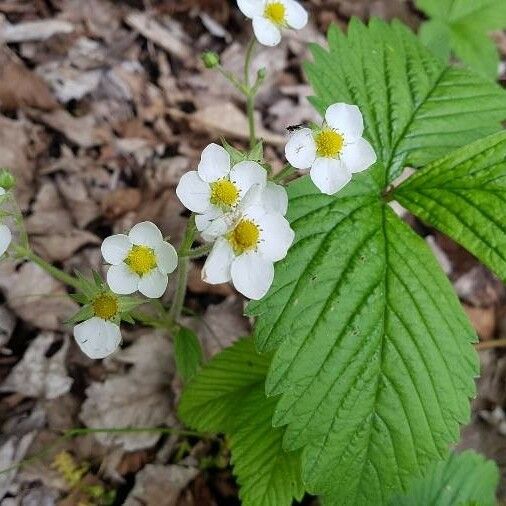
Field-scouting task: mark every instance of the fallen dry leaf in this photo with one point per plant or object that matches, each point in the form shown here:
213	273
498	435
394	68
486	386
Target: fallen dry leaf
35	296
7	323
157	484
38	375
33	30
140	397
482	319
20	87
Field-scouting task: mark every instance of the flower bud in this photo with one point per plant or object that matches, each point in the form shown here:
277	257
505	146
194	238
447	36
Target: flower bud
210	59
261	74
7	180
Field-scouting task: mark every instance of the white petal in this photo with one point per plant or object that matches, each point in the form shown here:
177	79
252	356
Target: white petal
145	234
300	149
251	8
358	155
275	198
214	163
252	275
296	15
166	257
97	338
266	32
277	237
217	267
246	174
2	191
202	221
5	238
122	280
329	175
154	284
193	192
347	119
115	248
218	227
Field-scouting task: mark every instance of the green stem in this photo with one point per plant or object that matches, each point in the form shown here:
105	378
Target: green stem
199	252
287	170
183	268
250	95
28	254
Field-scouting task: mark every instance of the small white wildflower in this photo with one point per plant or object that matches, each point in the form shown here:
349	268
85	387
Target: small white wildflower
98	336
246	253
333	152
271	16
140	261
5	233
216	189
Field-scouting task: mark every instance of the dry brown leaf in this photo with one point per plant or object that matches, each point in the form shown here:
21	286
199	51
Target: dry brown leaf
36	297
7	323
20	87
157	484
121	201
60	247
38	375
482	319
140	397
33	30
82	130
223	324
150	28
228	120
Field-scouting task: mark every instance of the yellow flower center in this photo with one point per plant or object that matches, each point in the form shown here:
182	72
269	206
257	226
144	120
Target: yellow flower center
141	259
275	12
105	306
244	237
329	143
224	193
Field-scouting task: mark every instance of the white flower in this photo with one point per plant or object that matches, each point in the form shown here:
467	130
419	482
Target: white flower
98	336
5	233
270	16
215	189
140	261
245	254
335	151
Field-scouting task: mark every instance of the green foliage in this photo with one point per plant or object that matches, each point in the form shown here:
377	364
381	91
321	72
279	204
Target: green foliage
462	27
374	362
464	479
416	108
227	395
187	353
464	196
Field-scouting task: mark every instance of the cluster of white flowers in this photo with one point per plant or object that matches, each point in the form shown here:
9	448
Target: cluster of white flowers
243	215
236	208
141	261
5	233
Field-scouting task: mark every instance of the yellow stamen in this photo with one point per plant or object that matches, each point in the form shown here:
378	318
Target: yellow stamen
224	193
244	237
105	306
329	143
275	12
141	259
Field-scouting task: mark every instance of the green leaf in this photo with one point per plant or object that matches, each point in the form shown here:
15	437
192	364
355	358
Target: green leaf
228	396
374	362
187	353
464	196
463	479
415	107
467	26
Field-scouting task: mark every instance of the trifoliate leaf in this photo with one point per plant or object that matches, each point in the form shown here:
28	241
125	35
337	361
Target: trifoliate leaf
187	353
467	25
463	479
416	108
227	395
374	362
464	196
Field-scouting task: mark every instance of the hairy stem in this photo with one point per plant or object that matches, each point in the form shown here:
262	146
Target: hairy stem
28	254
182	274
250	96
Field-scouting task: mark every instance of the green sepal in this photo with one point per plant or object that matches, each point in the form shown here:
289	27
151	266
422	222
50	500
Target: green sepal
85	313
